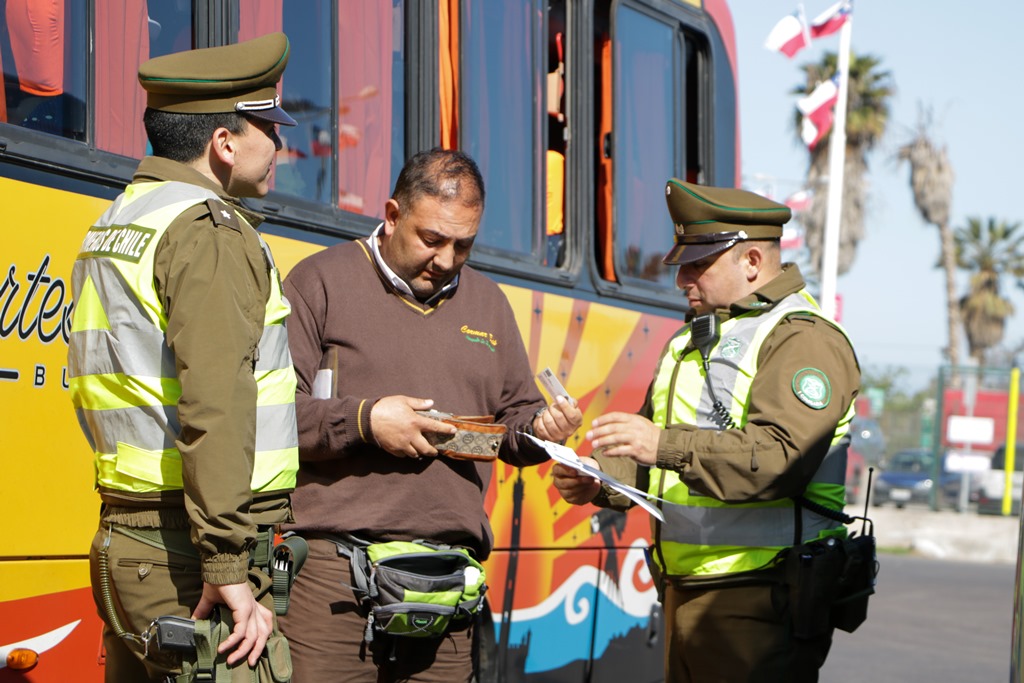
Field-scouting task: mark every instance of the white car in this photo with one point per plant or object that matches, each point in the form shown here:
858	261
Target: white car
993	483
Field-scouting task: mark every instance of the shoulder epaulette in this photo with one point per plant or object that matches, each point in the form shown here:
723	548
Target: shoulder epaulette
223	215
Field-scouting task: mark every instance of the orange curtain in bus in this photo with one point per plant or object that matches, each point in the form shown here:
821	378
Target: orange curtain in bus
364	106
605	243
122	43
3	97
449	64
260	18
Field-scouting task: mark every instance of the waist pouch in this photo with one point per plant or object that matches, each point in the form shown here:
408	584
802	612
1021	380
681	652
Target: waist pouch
478	437
416	589
829	582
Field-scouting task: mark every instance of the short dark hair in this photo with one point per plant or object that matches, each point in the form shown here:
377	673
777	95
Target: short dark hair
183	137
443	174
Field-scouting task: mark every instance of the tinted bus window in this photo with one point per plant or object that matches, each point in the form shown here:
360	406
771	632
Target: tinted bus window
346	93
500	114
645	142
127	34
43	53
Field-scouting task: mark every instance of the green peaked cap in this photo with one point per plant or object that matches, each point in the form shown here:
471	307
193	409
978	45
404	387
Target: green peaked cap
709	220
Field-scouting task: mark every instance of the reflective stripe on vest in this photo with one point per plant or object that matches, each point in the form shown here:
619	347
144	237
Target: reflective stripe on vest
122	374
702	535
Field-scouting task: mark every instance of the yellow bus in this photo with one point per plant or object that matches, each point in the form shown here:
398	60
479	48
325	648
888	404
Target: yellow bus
576	111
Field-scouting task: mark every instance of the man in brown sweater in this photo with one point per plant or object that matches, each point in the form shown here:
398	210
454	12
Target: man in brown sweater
391	325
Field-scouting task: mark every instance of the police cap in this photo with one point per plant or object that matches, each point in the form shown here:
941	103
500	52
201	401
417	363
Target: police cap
709	220
241	77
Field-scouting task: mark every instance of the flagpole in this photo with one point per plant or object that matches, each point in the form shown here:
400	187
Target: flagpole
836	159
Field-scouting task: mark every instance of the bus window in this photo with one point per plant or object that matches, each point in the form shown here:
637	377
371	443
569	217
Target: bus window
500	115
645	142
346	151
43	54
371	92
127	34
556	144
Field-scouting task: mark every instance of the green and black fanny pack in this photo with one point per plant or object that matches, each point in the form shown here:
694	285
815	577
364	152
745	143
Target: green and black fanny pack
416	589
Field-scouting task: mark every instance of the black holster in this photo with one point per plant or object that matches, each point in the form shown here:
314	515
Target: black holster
829	581
856	583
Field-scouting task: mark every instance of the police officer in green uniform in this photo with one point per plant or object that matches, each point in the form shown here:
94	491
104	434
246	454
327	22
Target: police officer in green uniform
181	376
746	420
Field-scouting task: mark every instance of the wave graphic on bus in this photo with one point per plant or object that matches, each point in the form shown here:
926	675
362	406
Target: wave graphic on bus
559	630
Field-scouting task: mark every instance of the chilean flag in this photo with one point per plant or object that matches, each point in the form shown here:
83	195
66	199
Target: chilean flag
831	20
789	36
817	110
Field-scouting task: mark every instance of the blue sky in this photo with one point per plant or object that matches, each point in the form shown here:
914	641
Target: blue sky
960	59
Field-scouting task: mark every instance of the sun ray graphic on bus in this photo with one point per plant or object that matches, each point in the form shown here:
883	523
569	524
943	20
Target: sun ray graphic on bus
564	574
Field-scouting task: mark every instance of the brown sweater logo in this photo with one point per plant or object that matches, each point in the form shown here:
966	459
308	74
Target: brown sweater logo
476	336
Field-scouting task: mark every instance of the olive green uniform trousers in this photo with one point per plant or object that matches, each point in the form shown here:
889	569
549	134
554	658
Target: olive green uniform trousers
146	582
737	635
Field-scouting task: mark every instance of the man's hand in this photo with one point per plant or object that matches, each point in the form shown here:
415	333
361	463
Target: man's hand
253	621
558	421
399	430
625	435
574	486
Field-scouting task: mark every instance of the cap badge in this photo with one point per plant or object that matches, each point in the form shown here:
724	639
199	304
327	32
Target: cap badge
258	105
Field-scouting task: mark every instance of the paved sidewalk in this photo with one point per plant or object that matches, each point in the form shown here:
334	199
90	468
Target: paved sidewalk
944	534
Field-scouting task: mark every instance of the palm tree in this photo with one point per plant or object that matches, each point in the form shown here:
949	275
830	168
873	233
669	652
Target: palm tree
931	179
867	115
989	250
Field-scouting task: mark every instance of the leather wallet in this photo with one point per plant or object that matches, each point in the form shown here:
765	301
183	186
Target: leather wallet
478	436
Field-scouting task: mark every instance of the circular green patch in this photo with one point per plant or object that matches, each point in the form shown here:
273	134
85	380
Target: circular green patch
812	387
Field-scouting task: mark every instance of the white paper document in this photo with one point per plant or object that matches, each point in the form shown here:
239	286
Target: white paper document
567	456
323	383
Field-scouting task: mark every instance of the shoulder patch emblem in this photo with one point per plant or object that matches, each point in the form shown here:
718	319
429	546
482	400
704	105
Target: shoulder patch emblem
222	214
812	387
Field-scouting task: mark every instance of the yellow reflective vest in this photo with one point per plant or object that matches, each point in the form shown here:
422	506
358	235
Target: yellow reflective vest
122	374
703	535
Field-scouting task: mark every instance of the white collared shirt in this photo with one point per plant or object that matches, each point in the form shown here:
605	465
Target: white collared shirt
393	277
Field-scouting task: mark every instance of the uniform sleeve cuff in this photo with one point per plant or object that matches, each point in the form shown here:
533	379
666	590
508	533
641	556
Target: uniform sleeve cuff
359	418
673	450
225	568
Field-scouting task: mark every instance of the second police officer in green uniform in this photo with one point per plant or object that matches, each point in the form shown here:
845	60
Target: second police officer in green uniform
181	376
749	408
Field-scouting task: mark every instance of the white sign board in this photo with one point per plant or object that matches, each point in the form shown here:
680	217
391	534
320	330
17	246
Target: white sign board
967	462
965	430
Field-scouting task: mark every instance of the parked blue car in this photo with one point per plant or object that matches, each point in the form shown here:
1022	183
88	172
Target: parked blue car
907	477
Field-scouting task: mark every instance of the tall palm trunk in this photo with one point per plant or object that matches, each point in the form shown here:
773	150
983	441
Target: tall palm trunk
948	255
931	179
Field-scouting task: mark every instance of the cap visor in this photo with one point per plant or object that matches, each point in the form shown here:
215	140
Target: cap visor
276	115
682	254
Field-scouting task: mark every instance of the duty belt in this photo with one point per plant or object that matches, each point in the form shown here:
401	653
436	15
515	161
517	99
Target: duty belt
260	557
